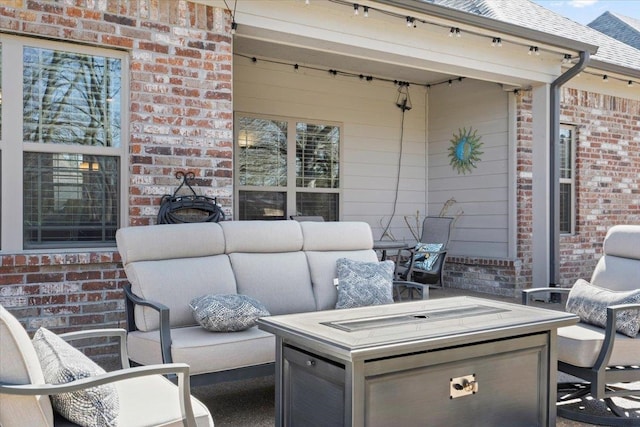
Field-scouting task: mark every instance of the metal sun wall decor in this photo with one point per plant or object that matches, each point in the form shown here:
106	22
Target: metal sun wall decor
464	151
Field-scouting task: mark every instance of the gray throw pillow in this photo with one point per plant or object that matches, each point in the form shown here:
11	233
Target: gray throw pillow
426	255
62	363
362	284
590	302
227	312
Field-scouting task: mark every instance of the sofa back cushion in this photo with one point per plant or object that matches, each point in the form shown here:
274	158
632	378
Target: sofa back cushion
169	241
172	264
324	243
19	364
262	236
269	264
280	281
322	266
619	266
174	283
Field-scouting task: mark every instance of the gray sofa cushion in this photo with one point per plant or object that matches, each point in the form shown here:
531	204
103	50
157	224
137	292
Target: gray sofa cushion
227	312
175	282
590	303
362	284
262	236
97	406
280	281
205	351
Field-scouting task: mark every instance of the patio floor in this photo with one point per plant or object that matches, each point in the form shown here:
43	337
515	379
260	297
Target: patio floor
250	403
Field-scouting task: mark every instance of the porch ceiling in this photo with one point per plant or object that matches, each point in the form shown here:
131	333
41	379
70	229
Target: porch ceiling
326	59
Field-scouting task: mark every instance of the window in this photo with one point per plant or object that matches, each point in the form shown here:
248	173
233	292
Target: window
286	167
61	146
567	184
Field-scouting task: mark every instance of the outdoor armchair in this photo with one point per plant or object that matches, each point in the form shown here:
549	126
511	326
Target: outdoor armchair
603	354
426	260
145	395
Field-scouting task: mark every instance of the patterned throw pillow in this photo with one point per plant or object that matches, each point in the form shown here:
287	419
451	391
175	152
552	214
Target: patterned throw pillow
62	363
425	255
590	302
362	284
227	312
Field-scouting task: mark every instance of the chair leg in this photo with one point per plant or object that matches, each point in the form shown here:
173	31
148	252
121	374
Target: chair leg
575	403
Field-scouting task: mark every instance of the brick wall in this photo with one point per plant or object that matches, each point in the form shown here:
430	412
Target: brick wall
607	171
180	119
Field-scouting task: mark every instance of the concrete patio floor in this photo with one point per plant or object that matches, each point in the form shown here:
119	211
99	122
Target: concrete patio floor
250	403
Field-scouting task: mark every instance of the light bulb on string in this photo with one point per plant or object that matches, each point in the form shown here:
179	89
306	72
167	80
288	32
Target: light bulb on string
605	78
356	9
366	12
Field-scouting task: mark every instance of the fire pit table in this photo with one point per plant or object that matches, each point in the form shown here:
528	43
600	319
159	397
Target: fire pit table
452	361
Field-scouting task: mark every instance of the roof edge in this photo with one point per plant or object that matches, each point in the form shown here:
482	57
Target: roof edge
491	24
614	68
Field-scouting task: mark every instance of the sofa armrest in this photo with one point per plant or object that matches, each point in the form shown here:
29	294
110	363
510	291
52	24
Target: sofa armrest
412	287
119	333
527	293
179	369
163	312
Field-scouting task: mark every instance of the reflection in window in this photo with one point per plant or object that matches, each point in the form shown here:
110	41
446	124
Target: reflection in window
299	157
69	197
566	149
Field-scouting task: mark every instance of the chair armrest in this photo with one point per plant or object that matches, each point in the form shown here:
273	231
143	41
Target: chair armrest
420	287
527	293
610	333
179	369
163	311
120	333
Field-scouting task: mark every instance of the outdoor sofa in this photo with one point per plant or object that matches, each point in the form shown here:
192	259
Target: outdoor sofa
288	266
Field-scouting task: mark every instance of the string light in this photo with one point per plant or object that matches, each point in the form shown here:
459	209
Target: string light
497	41
356	9
234	27
630	83
605	78
411	22
366	11
534	49
334	73
455	31
566	59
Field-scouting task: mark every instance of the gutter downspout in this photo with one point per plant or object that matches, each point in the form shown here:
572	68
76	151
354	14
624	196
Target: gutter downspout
554	162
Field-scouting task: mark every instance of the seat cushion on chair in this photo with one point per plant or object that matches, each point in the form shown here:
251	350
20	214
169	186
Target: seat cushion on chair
96	406
19	364
590	303
153	401
580	344
205	351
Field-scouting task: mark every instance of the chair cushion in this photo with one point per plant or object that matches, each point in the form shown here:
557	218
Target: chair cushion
205	351
425	255
362	284
590	303
227	312
580	344
153	401
96	406
19	364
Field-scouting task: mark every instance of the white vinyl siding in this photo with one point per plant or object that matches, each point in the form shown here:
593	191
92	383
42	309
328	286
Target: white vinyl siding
370	139
481	195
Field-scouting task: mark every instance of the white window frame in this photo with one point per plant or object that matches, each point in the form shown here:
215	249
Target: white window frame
571	181
12	146
290	189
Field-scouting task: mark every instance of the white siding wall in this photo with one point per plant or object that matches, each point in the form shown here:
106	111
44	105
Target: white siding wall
371	134
483	194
